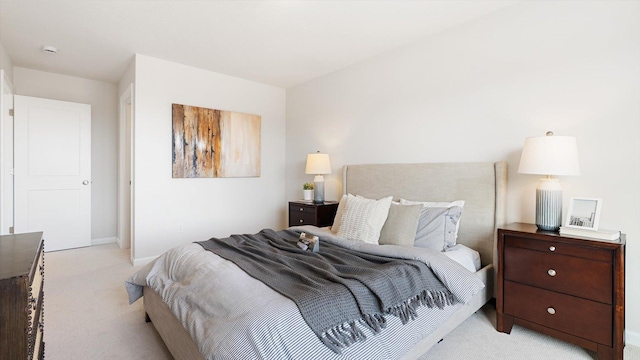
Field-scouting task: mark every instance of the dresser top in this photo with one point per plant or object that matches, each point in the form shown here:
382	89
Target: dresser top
541	234
311	203
18	252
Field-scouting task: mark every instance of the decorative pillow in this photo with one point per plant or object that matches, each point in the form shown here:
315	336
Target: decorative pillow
338	218
401	225
437	204
362	219
437	227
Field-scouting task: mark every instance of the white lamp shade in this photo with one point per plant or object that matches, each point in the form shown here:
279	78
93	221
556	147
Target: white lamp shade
550	155
318	164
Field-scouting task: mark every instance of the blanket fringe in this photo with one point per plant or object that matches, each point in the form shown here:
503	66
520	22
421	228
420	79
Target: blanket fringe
342	336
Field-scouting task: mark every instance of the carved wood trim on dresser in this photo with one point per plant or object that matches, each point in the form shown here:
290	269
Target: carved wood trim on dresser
22	296
570	288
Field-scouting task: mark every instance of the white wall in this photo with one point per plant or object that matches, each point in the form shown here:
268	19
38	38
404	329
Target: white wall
5	62
475	92
125	155
169	212
127	78
102	97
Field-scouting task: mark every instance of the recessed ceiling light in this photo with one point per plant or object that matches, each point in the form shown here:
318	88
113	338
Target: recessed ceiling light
49	49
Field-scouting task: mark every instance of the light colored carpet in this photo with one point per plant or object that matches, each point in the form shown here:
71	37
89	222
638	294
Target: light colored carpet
86	309
87	316
478	339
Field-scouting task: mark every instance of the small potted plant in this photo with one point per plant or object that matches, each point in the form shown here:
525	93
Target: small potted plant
307	190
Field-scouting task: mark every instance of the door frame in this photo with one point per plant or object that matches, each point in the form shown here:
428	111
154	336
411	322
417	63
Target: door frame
6	156
53	194
126	101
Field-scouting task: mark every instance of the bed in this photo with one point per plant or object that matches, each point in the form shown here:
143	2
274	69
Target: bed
482	186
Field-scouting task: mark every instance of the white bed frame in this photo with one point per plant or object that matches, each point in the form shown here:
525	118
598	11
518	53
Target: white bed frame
481	185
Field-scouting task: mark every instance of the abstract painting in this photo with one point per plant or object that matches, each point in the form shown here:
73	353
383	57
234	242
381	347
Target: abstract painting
214	143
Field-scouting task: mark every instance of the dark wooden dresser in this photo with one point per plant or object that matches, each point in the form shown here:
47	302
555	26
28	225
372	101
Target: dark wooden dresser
21	296
309	213
570	288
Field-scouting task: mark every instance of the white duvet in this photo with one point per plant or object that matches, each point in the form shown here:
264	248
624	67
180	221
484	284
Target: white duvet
231	315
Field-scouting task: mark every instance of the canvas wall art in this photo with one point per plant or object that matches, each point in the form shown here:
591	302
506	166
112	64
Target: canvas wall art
209	143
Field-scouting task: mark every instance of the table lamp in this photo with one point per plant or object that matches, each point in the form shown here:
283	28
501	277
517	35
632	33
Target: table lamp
549	155
318	164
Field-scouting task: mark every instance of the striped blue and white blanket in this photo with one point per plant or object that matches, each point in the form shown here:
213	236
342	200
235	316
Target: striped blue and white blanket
232	315
337	290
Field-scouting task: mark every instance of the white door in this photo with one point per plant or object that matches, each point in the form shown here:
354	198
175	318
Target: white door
52	142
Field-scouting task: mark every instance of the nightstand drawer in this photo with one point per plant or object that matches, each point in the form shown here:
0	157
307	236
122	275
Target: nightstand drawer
293	208
560	248
584	318
302	218
576	276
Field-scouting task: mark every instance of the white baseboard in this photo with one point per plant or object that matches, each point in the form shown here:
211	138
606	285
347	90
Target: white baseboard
102	241
632	338
119	242
143	261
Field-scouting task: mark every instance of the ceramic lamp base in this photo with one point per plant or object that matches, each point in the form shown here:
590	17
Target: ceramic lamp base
318	189
549	205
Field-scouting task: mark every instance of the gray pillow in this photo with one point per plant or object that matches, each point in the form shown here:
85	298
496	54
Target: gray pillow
401	225
437	227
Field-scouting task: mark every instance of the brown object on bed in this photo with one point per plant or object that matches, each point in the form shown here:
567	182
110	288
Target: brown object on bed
481	185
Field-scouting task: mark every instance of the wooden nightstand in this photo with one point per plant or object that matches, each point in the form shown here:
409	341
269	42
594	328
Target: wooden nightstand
308	213
570	288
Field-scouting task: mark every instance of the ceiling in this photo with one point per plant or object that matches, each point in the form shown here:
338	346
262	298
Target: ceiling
281	43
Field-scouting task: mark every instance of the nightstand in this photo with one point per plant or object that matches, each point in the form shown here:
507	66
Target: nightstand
570	288
309	213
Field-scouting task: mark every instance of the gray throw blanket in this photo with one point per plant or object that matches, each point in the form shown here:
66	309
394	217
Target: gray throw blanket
337	290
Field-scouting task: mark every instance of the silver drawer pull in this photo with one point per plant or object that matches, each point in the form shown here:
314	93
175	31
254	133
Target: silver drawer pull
552	248
301	209
551	311
301	221
551	272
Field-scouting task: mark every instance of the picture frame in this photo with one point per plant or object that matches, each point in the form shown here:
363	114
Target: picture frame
584	213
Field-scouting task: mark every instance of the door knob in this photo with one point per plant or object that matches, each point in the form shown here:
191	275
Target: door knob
86	182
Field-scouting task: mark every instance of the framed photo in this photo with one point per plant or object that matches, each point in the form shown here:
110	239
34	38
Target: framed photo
584	213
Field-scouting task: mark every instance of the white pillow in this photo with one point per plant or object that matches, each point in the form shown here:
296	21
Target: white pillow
338	218
362	218
465	256
433	203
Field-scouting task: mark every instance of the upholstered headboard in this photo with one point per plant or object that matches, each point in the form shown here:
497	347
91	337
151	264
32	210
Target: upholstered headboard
482	186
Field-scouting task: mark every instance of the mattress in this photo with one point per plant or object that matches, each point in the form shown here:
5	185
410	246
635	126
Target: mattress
464	256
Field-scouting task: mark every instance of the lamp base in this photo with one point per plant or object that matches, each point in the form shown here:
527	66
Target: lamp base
549	205
318	189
